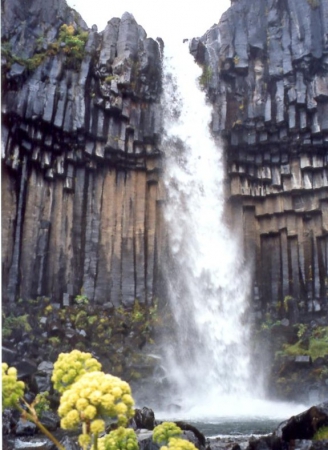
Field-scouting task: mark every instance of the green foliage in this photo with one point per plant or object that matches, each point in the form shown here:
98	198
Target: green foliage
315	347
70	367
301	329
74	41
206	76
286	301
106	330
236	60
70	40
321	434
269	323
13	323
163	432
12	389
109	79
120	439
81	300
41	402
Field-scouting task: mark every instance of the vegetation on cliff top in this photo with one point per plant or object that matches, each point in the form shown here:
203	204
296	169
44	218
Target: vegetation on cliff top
70	41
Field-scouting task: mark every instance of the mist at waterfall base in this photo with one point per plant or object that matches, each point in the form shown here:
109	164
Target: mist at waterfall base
206	361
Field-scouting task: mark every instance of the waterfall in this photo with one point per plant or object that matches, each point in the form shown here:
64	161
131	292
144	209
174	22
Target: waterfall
207	281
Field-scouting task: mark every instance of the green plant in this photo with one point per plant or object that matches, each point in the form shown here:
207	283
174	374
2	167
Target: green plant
236	60
321	434
109	79
206	76
286	301
74	41
301	329
13	323
81	300
120	439
163	432
41	402
13	397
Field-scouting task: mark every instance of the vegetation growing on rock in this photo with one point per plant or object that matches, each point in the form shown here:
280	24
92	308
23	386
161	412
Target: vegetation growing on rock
70	41
116	335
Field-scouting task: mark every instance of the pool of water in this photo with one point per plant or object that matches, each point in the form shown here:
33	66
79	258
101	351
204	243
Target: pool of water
238	427
236	417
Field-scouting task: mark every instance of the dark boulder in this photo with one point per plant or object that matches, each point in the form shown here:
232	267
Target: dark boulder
144	418
304	425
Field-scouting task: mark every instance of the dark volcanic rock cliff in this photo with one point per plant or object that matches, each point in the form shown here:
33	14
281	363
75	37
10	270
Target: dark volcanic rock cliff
80	177
265	68
81	128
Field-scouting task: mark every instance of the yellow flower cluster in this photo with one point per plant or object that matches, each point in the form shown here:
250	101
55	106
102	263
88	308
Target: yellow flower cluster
163	432
12	390
94	396
179	444
120	439
70	367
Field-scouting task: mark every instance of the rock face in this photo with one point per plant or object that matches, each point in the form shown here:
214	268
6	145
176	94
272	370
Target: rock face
81	122
81	184
265	69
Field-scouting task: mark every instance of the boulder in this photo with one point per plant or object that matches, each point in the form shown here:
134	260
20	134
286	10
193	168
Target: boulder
304	425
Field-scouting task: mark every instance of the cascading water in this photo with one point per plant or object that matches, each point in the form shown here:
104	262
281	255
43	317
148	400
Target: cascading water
206	278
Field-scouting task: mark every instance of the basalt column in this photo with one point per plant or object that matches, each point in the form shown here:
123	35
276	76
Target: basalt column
81	122
265	69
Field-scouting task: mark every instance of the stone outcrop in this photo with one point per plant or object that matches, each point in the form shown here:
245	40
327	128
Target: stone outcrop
81	122
265	69
81	126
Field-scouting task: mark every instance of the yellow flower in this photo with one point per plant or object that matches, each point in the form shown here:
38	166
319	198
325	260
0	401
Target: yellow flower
82	403
121	408
97	426
84	439
90	412
95	397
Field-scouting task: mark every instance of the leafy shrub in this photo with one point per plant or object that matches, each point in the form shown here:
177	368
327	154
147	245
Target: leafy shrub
163	432
321	434
120	439
13	323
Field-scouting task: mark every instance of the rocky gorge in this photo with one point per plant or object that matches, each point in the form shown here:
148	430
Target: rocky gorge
82	189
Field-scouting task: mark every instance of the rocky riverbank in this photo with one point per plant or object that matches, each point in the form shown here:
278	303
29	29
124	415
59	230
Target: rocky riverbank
306	431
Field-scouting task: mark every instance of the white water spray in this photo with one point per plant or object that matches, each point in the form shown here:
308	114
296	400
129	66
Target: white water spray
207	360
207	279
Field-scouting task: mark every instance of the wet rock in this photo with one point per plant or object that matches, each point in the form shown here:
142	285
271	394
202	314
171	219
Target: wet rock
25	428
26	367
144	418
6	421
69	443
304	425
50	420
34	444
